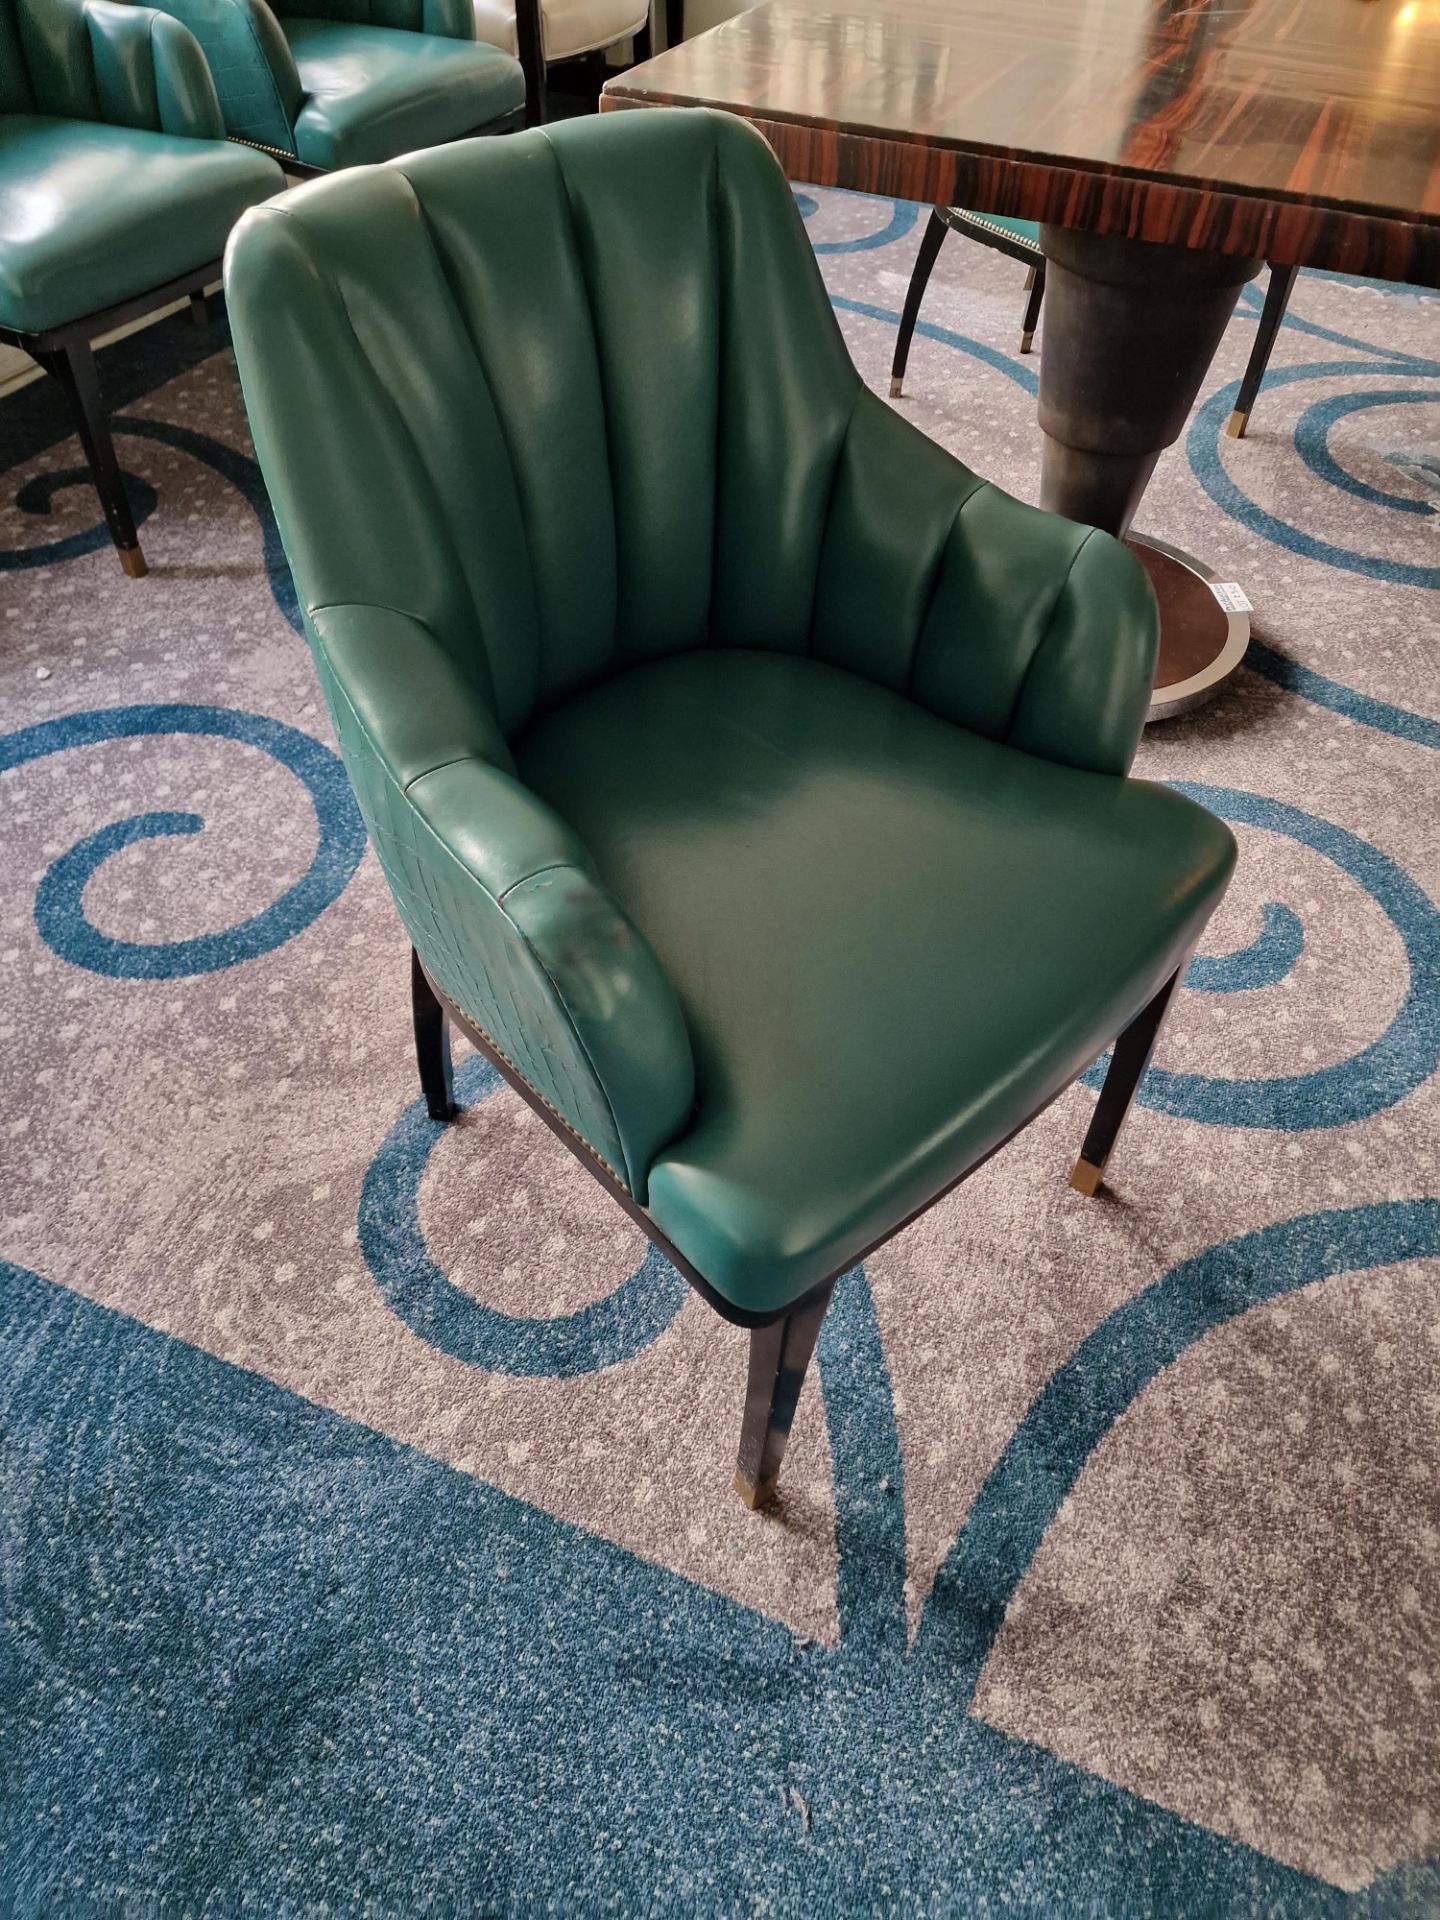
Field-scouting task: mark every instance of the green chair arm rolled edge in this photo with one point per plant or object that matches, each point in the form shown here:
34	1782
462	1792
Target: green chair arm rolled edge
258	89
498	895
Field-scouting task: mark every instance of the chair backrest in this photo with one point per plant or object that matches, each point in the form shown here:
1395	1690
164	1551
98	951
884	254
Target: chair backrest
46	60
255	73
571	398
577	398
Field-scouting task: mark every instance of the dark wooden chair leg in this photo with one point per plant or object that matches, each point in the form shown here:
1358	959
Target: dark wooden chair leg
931	242
73	367
530	48
779	1357
1128	1062
1277	298
674	22
432	1045
199	311
1035	287
642	45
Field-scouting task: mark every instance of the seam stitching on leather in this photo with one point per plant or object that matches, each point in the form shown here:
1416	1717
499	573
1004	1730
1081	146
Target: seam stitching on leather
404	792
551	866
154	76
369	737
936	579
391	405
373	606
717	268
589	293
834	488
548	1105
285	119
455	760
442	262
579	1038
1040	645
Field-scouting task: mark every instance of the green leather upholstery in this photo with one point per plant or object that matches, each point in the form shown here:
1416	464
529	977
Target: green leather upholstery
1020	233
746	768
373	92
114	173
259	84
339	83
891	939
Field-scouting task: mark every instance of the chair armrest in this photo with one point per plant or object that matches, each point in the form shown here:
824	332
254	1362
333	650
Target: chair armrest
151	73
1008	621
498	895
252	69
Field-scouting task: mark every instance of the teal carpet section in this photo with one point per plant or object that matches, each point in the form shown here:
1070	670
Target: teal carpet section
257	1653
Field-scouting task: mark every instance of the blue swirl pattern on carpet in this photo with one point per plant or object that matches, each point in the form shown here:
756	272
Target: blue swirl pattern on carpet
59	901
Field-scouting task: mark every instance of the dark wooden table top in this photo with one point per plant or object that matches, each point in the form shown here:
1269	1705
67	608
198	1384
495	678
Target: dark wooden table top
1306	131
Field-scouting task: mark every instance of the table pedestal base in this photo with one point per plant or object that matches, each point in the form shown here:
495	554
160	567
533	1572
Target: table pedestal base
1202	642
1130	331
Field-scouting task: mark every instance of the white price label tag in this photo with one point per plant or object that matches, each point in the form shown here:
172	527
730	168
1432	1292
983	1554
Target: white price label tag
1231	596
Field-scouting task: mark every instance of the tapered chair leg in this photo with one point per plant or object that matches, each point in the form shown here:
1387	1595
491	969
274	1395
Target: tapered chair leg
674	22
1035	287
1277	298
931	242
779	1357
642	46
1128	1062
199	311
73	367
530	49
432	1045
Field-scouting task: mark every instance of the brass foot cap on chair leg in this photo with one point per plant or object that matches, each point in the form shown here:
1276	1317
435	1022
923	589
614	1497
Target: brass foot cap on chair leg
754	1497
1027	340
133	563
897	382
1086	1179
1235	426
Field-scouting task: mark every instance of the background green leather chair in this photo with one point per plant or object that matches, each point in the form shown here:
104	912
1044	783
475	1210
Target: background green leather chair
1020	239
117	192
324	84
749	776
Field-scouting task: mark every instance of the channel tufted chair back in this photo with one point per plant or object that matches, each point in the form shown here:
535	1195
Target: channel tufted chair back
588	404
749	775
76	60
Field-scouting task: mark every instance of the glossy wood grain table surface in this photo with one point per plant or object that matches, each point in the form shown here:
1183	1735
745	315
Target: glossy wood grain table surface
1167	147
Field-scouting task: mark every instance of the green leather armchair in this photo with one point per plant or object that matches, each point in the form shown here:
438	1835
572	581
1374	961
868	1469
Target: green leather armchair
750	777
117	191
324	84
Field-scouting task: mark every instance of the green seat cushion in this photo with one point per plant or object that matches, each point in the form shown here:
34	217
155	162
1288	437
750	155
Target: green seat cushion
91	215
1024	233
375	92
892	940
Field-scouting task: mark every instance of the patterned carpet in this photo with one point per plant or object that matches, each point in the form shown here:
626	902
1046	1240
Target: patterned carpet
367	1540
